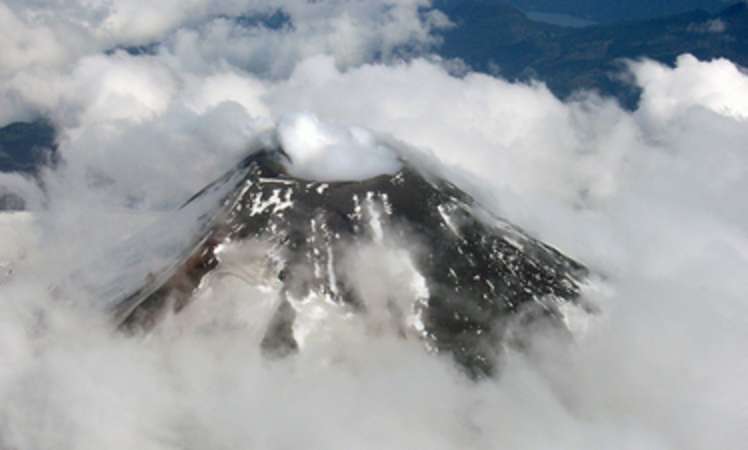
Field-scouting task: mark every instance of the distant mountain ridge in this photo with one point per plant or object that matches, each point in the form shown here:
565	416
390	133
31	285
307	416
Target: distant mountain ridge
24	146
495	37
607	11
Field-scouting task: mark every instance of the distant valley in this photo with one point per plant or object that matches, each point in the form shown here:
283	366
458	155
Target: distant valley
500	39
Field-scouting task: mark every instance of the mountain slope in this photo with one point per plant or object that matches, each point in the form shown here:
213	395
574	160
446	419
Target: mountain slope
453	275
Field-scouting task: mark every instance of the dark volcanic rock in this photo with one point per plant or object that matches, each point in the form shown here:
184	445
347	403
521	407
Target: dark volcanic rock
480	272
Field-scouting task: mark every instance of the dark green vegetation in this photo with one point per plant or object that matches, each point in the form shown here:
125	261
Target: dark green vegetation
486	281
497	38
25	146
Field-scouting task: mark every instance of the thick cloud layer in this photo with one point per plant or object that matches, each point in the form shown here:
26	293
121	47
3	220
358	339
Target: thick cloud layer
651	200
328	153
40	33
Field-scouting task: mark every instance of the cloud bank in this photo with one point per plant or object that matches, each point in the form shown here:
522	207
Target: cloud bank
325	152
650	199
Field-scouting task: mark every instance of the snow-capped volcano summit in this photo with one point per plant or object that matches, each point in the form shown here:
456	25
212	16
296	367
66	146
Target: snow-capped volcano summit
409	250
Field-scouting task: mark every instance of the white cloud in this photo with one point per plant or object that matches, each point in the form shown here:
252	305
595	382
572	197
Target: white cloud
25	44
37	33
517	136
327	152
652	199
717	85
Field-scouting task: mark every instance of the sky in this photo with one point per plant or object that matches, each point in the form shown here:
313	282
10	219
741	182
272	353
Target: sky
652	200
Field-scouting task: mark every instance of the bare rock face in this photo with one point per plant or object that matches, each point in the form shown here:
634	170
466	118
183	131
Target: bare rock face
440	266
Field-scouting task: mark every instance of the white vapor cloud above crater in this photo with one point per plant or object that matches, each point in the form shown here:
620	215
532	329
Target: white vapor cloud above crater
651	200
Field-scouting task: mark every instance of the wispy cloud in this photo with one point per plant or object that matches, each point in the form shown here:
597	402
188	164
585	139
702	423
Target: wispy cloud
653	199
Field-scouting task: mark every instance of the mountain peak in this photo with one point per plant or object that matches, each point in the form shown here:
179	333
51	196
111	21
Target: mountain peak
457	277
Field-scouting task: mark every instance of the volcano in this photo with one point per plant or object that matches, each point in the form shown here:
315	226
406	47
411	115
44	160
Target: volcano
458	277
